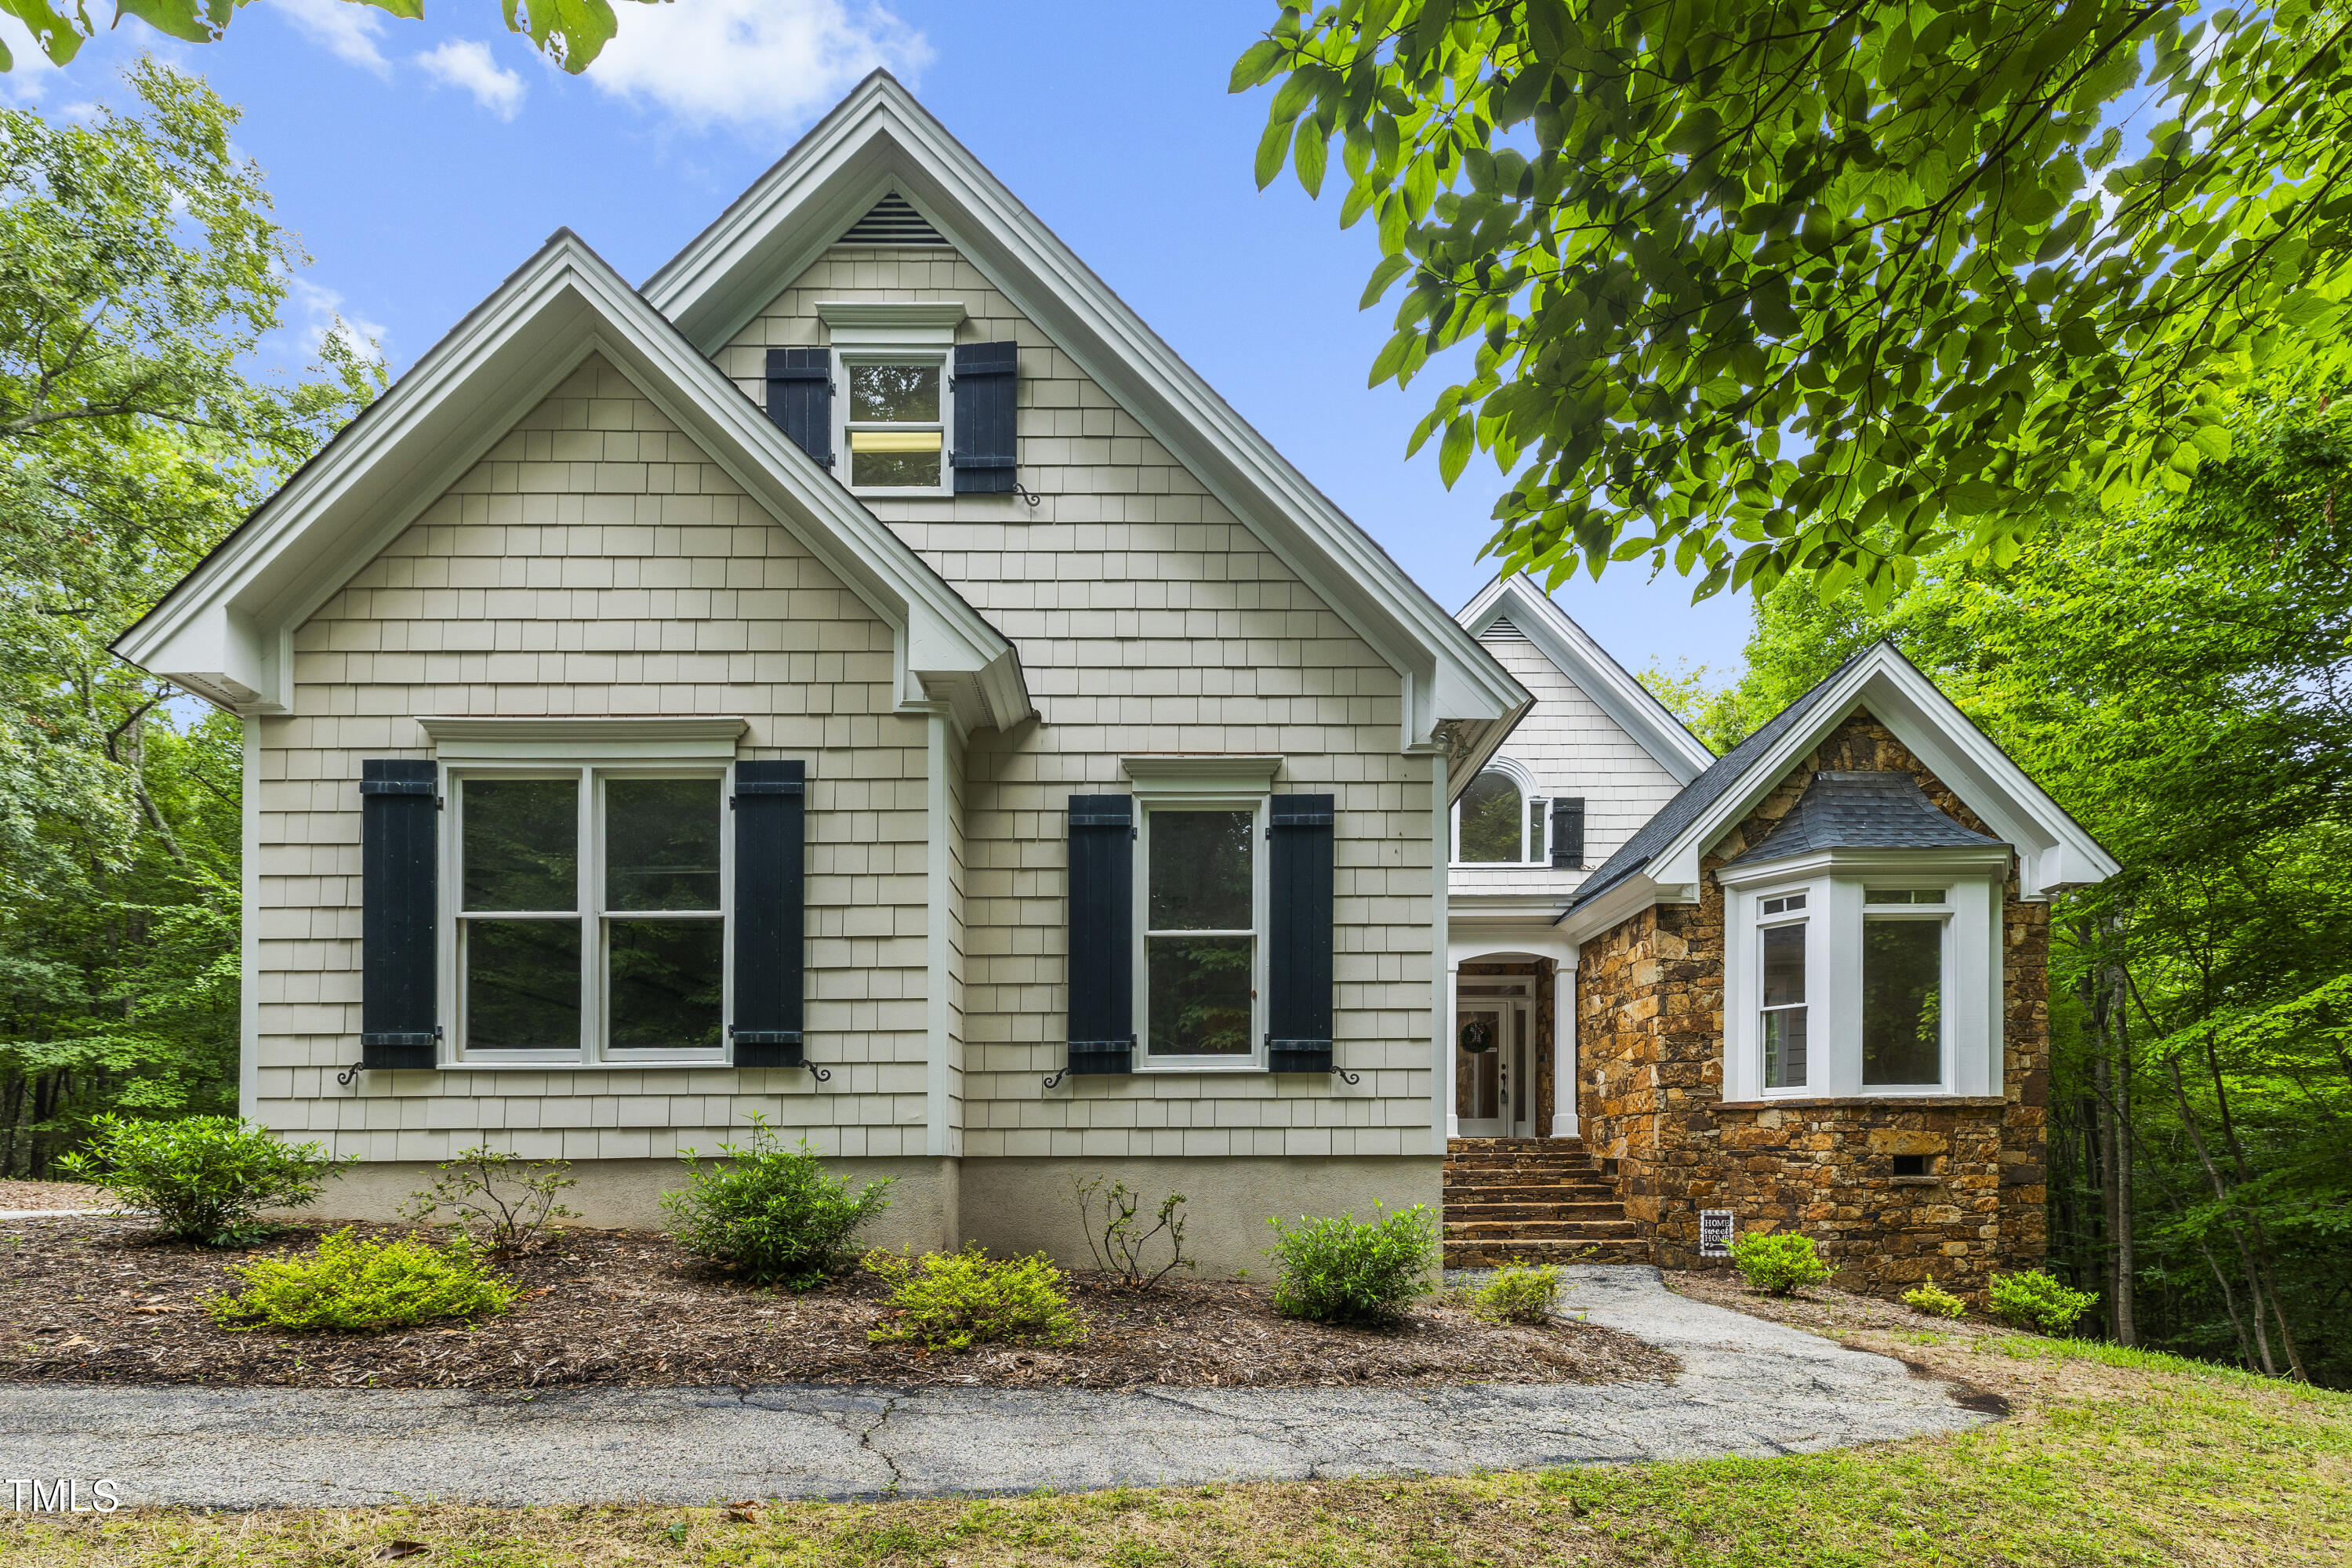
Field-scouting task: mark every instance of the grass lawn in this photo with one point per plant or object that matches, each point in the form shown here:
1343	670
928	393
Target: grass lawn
2111	1457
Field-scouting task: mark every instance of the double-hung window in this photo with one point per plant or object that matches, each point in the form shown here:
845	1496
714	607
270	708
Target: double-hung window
590	920
1781	1009
896	418
1202	899
1904	933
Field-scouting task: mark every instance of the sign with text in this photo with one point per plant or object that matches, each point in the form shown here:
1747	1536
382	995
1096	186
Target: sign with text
1714	1232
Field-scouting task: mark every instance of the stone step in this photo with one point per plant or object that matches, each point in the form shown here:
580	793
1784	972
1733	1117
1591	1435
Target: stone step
1455	1145
1497	1254
1539	1230
1481	1180
1547	1213
1522	1173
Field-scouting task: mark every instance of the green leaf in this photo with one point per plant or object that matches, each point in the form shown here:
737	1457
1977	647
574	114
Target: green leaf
1454	453
1272	148
1390	268
1307	154
1257	63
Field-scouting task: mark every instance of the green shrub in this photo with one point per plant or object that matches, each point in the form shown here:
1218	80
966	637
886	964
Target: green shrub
1778	1261
2034	1300
771	1212
954	1300
1519	1294
348	1283
1935	1301
502	1199
1112	1237
205	1178
1342	1270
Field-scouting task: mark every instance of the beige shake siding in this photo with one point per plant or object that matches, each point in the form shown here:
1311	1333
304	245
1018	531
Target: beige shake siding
595	563
1149	619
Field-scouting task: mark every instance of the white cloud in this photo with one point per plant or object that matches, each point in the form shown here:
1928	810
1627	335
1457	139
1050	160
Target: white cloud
21	87
316	313
758	64
462	62
347	31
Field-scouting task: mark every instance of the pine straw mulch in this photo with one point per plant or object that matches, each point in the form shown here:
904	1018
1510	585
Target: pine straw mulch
51	1195
108	1301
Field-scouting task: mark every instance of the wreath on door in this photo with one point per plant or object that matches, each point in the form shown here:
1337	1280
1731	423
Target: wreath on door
1478	1036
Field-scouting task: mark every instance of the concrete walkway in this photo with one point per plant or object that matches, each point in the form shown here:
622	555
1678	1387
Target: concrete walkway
1748	1387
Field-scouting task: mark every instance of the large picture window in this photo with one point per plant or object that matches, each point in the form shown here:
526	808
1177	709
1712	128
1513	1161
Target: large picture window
591	915
1902	987
1202	896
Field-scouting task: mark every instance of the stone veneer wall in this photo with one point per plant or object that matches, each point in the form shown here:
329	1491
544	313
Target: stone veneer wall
1650	1033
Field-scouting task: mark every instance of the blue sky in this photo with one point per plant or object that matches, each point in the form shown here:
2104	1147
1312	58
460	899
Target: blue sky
421	160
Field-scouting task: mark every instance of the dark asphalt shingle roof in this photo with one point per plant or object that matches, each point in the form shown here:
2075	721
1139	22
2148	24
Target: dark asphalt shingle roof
1864	811
1701	792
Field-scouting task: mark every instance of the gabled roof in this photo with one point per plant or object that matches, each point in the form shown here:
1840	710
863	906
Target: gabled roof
1849	810
1531	611
878	140
1661	861
224	631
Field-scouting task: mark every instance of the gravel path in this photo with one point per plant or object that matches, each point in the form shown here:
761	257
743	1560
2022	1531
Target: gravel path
1748	1387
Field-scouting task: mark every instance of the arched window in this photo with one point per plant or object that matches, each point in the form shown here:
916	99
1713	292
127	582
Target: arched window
1498	822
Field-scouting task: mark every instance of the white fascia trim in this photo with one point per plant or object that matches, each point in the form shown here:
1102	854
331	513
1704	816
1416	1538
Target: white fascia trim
1201	776
1622	902
1572	651
1954	862
222	630
897	323
879	139
2054	851
464	737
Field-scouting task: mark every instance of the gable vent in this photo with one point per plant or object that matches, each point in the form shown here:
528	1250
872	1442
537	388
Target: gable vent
892	221
1502	630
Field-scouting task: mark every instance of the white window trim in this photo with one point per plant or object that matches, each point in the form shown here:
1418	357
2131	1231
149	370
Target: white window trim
1833	885
1201	784
591	769
1532	855
920	332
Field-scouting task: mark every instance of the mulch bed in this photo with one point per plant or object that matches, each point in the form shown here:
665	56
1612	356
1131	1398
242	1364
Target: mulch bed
92	1300
51	1195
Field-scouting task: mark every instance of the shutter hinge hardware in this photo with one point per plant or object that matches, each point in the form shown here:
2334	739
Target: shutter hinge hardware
349	1075
1028	495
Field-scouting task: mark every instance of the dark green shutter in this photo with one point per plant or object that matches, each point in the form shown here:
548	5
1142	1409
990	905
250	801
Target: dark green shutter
770	834
1299	935
399	912
800	398
987	387
1102	945
1567	833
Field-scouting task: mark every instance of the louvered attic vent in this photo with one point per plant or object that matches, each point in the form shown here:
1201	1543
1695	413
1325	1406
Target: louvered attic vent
892	221
1502	630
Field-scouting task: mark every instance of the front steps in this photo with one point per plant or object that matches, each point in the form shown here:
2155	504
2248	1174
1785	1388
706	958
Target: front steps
1532	1200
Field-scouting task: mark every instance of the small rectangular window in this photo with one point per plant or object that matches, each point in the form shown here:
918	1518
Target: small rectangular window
1783	1010
897	436
1902	896
1902	1003
1786	905
1536	852
1201	933
1911	1164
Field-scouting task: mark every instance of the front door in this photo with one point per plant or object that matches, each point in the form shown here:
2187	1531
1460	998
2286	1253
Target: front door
1483	1079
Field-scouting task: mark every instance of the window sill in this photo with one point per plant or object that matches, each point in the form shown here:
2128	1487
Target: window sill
1164	1070
592	1067
1914	1102
1916	1181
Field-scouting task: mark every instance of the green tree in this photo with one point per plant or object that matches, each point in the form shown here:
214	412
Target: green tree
141	271
1827	288
571	33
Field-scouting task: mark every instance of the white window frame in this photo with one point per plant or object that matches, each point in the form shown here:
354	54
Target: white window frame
1165	783
589	909
893	332
1534	844
1834	884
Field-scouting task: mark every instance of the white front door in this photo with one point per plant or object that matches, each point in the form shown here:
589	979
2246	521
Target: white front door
1486	1050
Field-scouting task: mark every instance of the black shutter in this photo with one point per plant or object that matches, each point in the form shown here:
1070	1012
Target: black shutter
1567	833
399	911
800	398
987	386
771	830
1299	945
1102	920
